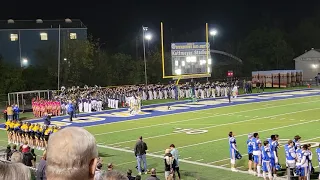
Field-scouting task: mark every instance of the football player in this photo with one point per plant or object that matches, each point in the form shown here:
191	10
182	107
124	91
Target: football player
256	143
233	150
266	159
250	151
290	156
318	154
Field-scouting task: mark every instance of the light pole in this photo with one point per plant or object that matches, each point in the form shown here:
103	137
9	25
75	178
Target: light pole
144	29
213	33
59	56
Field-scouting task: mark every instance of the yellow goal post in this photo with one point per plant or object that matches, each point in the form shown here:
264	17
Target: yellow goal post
164	76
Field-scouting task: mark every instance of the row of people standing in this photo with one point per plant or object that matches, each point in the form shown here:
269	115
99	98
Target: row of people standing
11	112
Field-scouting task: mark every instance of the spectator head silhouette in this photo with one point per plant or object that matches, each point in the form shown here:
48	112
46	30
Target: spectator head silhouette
71	154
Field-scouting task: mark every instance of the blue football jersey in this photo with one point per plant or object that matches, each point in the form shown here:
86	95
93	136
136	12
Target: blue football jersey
255	143
232	141
299	154
250	146
318	153
273	148
289	150
266	155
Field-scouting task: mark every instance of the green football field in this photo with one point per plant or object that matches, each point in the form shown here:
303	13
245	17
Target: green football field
201	136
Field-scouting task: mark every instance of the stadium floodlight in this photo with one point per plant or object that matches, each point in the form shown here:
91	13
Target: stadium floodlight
176	63
178	71
148	36
209	70
209	61
183	63
213	32
314	66
24	61
65	59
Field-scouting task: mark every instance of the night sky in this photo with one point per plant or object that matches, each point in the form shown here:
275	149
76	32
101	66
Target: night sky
115	22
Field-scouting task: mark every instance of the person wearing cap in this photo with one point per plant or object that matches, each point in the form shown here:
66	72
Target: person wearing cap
140	153
250	152
153	175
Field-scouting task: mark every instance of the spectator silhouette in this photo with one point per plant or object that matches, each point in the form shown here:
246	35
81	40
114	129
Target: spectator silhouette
71	155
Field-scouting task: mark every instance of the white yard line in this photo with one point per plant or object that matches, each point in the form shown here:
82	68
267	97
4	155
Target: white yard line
281	127
214	126
204	164
181	160
193	119
199	160
231	105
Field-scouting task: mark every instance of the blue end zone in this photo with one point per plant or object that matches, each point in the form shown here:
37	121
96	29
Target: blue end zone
119	115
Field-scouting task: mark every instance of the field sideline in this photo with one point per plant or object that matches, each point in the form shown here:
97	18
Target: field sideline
199	130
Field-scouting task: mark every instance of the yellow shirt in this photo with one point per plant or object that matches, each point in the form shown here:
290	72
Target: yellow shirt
55	130
25	127
11	125
46	132
36	128
9	111
7	125
16	125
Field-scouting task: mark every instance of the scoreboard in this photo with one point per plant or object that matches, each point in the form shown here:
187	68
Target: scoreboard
190	58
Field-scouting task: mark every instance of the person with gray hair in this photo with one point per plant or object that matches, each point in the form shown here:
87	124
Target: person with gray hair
14	171
71	155
17	157
114	175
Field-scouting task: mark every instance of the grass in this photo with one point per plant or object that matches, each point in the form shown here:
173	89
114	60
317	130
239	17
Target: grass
201	152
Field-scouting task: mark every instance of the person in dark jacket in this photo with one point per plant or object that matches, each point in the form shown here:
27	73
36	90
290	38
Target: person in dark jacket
41	169
140	153
70	110
47	119
8	152
28	159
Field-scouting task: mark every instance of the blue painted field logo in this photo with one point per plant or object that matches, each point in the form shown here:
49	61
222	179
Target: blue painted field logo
190	131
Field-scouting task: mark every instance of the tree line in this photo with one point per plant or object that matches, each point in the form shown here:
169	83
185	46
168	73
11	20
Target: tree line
84	62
